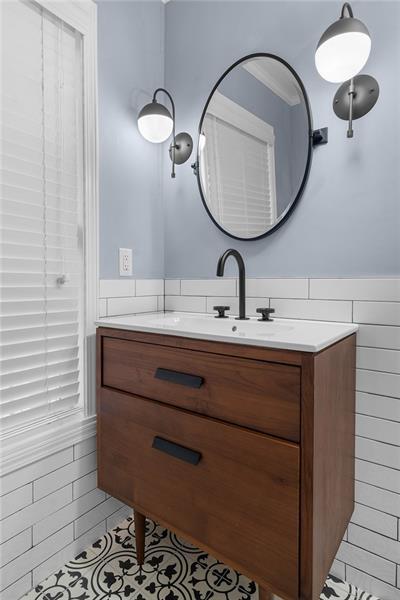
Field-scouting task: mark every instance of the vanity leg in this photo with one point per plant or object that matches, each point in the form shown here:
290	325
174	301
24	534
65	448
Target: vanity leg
264	594
140	528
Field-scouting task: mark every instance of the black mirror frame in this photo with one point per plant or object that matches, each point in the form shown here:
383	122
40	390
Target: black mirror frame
300	192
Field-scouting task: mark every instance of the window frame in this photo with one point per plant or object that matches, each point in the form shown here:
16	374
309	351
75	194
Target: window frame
233	114
55	433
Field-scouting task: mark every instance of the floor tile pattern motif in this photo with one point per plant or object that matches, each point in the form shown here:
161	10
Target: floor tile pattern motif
174	570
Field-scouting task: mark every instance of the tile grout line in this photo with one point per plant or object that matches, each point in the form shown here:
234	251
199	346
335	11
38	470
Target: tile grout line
369	575
388	537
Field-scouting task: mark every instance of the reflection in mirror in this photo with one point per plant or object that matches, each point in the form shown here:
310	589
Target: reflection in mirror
254	147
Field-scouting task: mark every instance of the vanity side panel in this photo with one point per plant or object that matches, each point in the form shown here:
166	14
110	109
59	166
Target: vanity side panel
333	455
306	477
99	381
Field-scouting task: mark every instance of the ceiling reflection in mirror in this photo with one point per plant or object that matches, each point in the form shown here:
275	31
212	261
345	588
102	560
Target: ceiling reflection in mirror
254	147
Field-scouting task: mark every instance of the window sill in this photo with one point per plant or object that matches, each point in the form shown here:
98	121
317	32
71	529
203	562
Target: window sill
36	442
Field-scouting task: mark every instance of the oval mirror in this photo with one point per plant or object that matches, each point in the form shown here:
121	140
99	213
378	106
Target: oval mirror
255	145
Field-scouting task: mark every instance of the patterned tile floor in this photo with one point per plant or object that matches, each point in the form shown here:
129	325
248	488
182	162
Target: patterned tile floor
174	570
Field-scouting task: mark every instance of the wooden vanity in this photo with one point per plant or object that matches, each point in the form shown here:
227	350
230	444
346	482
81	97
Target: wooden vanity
245	451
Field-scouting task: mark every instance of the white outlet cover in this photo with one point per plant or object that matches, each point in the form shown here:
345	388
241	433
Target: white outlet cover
125	262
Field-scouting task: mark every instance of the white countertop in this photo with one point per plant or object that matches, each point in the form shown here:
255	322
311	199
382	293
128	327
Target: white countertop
287	334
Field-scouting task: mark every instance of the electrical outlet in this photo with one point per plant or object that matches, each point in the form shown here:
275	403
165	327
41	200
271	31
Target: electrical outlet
125	262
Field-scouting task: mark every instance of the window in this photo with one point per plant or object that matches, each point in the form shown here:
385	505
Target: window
239	168
47	202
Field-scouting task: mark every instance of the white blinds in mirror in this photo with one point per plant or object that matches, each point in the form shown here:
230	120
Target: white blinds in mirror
42	254
239	176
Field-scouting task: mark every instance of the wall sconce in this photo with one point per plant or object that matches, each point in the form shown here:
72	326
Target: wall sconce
156	124
342	52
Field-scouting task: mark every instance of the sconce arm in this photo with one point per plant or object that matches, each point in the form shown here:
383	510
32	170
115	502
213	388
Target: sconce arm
352	93
346	7
166	92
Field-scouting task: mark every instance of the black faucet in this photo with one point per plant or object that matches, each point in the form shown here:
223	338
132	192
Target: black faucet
242	278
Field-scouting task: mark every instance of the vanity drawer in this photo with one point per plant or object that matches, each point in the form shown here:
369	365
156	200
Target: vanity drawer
259	395
231	490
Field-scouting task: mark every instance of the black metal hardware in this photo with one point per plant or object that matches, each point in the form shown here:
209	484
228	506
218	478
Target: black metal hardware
355	98
320	136
242	278
182	148
346	6
193	381
265	312
177	451
352	93
221	311
173	146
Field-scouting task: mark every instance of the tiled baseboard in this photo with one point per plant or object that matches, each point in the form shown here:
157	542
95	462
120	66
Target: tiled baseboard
130	296
51	511
323	299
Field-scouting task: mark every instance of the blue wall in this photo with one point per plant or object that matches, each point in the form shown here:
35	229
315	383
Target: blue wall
348	221
131	66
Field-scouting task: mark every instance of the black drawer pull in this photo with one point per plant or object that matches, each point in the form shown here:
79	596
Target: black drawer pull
193	381
177	451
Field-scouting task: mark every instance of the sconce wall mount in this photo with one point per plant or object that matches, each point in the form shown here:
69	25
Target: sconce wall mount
355	98
320	136
182	149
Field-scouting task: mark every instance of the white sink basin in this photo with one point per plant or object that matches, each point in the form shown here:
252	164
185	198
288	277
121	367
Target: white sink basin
289	334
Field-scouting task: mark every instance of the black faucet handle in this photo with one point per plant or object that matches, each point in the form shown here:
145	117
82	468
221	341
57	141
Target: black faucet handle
265	312
221	311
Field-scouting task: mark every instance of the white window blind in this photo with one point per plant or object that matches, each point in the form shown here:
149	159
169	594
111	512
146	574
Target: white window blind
239	176
42	214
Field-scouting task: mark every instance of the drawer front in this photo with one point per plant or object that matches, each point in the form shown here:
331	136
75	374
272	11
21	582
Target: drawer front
256	394
231	490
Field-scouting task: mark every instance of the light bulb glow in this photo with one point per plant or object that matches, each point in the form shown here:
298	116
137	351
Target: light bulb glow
202	142
342	56
155	128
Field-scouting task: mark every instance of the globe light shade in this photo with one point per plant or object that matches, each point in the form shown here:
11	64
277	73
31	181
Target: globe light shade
343	50
155	122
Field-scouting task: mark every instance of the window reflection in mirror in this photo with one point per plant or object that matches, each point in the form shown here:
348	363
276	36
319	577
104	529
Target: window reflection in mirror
254	147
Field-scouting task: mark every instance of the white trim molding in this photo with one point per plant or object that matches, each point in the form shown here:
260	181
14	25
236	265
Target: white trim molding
31	444
27	444
79	14
229	111
273	75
